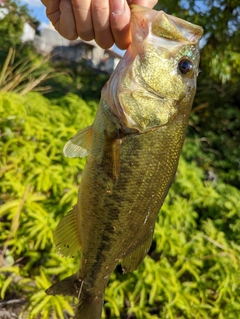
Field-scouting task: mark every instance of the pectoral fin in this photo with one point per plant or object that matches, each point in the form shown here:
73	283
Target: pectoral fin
80	144
132	261
67	235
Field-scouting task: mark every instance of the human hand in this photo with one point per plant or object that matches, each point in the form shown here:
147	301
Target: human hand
105	21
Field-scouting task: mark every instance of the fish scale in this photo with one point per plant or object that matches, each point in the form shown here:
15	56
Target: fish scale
124	195
132	150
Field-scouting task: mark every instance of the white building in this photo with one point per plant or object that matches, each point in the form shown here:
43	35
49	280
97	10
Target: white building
50	41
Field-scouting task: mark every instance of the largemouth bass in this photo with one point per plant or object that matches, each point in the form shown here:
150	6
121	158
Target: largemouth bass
132	150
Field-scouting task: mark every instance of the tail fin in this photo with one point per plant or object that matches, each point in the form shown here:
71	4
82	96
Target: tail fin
89	307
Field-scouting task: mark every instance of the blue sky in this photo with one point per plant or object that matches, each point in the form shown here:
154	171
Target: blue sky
37	10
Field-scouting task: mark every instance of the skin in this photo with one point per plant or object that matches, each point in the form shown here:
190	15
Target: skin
105	21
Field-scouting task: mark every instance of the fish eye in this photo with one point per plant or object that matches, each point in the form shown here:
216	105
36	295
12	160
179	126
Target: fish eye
185	66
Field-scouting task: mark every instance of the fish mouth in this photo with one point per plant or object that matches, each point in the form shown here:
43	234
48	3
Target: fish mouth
163	25
173	28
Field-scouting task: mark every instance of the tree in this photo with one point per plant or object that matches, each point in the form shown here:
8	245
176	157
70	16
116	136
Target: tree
216	114
12	21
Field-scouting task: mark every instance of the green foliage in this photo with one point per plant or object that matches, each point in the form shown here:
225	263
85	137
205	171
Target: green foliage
215	132
79	79
24	74
193	268
216	120
38	185
11	25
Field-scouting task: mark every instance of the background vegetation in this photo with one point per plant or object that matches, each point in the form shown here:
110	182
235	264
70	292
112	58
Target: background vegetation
193	267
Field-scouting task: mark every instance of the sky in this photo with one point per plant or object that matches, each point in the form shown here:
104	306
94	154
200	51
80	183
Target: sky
37	10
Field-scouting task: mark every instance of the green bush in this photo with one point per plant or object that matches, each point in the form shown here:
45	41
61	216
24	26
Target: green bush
38	185
193	268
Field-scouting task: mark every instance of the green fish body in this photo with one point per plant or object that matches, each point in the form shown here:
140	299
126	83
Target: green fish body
132	150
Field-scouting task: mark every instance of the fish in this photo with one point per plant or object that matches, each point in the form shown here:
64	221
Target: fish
132	150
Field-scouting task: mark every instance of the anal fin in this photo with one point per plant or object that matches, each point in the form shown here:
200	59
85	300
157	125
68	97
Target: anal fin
133	260
66	287
67	235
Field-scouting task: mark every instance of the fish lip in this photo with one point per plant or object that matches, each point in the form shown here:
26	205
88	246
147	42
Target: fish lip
173	28
159	24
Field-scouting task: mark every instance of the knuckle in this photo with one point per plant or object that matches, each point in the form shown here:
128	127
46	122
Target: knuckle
86	35
105	43
68	35
122	45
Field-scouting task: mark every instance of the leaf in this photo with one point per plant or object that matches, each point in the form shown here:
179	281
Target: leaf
5	286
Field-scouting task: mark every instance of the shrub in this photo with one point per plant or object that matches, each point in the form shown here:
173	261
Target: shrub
193	267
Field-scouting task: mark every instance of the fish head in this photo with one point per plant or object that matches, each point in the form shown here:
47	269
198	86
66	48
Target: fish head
157	76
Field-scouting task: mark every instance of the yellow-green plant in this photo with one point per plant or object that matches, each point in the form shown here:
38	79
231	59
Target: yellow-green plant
25	74
193	268
38	185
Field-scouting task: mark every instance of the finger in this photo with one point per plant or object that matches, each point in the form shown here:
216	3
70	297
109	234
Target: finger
58	13
101	23
144	3
120	21
82	14
67	26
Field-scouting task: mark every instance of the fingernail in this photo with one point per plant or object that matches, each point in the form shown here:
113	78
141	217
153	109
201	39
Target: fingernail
117	6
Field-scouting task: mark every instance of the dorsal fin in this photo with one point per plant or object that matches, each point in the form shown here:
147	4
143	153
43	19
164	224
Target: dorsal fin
132	261
80	144
67	235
